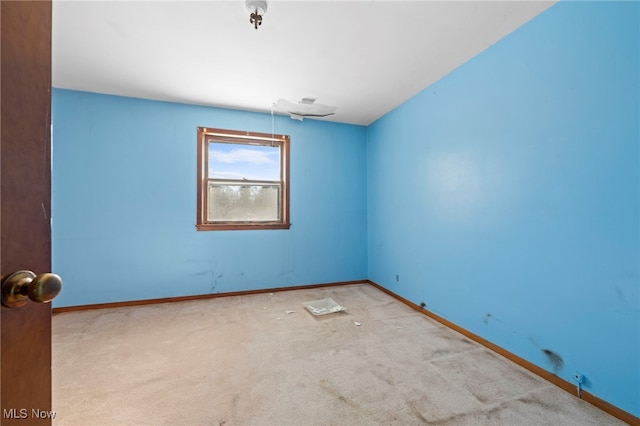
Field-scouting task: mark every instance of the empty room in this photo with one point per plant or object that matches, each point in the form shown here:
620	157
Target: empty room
271	212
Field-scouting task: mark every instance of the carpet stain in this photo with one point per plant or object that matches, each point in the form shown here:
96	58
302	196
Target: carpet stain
440	353
384	378
481	399
494	410
234	406
449	420
491	416
474	416
417	413
343	400
531	400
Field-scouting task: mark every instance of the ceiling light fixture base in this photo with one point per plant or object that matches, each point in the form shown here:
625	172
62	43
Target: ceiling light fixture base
256	9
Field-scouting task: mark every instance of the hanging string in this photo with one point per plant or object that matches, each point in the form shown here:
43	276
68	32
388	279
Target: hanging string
272	127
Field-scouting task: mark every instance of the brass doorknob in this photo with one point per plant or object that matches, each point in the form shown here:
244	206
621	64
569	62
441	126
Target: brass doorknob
23	285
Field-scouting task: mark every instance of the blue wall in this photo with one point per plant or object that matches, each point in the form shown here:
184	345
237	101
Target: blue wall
506	196
124	203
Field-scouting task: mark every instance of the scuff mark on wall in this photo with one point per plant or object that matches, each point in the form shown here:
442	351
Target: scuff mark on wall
556	360
626	289
620	295
214	281
490	317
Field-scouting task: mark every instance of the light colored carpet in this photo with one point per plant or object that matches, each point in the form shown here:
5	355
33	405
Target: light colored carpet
243	360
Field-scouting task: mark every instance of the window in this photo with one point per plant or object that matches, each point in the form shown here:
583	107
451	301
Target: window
243	180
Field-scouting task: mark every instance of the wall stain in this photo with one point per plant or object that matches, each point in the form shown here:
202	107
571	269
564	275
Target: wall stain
556	360
214	281
491	317
621	296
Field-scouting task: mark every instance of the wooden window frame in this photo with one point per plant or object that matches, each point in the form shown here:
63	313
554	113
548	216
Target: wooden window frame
207	135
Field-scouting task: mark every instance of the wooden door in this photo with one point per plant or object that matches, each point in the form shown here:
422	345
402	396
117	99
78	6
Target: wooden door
25	194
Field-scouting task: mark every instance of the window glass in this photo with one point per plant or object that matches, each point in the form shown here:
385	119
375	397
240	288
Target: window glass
248	162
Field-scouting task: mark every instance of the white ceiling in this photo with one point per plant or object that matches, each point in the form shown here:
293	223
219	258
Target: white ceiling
365	57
